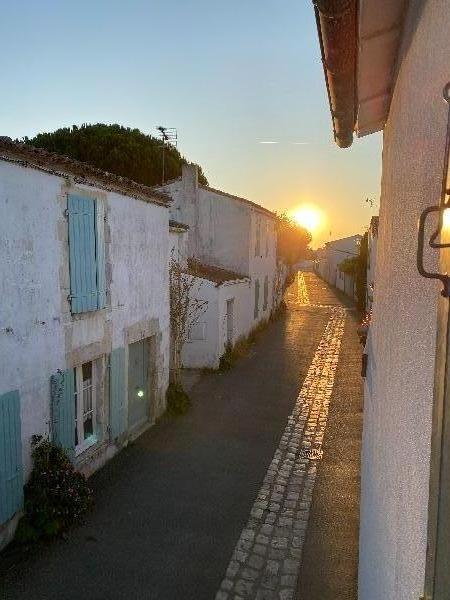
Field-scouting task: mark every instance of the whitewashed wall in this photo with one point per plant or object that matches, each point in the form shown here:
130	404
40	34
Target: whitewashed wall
202	349
399	385
262	263
38	334
241	292
223	233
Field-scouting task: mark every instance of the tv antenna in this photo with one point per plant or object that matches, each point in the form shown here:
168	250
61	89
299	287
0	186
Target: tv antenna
167	135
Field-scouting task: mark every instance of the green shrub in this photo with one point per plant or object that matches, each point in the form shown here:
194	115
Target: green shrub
55	497
178	401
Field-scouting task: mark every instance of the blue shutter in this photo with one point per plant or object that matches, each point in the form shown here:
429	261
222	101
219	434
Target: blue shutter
63	410
82	254
117	392
11	473
100	253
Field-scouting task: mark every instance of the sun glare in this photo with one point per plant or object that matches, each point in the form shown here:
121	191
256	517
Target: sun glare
308	217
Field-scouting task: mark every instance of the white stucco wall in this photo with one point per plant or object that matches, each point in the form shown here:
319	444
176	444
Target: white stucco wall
32	342
399	386
206	352
242	314
38	334
223	233
178	240
202	349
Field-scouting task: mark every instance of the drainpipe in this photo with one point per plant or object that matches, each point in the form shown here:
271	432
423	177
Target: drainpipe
336	25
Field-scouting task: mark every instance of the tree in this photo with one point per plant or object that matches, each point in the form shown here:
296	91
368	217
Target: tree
293	240
117	149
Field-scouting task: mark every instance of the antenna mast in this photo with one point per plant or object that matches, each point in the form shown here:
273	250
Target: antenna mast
167	135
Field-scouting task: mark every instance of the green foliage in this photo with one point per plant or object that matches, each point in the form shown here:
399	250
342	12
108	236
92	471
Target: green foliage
293	240
241	348
178	401
234	353
56	496
357	267
117	149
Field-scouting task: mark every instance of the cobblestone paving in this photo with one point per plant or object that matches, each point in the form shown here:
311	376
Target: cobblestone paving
302	292
266	560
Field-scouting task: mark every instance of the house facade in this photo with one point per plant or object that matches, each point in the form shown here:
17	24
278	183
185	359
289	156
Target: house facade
386	70
331	256
234	245
372	241
84	324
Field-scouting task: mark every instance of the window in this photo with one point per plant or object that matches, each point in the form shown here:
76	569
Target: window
256	309
267	237
86	253
85	406
266	292
258	237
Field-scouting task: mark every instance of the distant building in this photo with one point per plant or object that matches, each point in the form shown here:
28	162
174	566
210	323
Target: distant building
234	245
84	323
329	258
372	240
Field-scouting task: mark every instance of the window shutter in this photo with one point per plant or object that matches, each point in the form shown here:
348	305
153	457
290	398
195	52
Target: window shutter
266	292
100	253
82	254
63	410
11	473
256	310
117	392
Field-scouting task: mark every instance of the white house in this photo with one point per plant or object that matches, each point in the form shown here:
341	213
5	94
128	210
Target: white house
372	240
329	258
386	65
234	244
84	319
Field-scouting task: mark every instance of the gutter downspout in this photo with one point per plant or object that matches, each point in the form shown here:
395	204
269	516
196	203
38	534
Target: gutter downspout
336	25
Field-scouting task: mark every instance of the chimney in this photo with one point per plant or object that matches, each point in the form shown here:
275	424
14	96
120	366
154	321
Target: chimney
189	177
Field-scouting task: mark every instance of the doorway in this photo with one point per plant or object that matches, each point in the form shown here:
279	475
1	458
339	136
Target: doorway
139	384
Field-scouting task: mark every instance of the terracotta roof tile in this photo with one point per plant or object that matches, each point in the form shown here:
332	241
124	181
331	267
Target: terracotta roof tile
215	274
55	164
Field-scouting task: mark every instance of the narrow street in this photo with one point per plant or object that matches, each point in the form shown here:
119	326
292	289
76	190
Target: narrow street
233	500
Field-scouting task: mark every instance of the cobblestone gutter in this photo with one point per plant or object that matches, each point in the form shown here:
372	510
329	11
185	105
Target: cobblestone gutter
266	560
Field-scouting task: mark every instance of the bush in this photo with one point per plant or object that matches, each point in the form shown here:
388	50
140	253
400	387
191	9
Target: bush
178	401
56	496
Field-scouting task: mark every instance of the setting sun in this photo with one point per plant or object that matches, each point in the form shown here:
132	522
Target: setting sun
308	217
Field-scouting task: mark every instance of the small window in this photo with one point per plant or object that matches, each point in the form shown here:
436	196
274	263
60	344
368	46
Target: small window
256	309
85	406
197	332
266	292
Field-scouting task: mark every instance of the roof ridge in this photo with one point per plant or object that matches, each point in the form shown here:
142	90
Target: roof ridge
254	204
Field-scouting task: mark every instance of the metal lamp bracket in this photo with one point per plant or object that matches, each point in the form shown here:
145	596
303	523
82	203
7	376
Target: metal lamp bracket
443	205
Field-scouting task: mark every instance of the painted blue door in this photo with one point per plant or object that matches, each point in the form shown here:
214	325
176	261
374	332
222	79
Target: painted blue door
138	383
63	410
117	392
11	473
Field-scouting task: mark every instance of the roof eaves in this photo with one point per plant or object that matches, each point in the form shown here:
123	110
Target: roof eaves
337	30
82	173
240	199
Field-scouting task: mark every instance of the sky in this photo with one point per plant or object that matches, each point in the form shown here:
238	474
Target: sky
228	75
